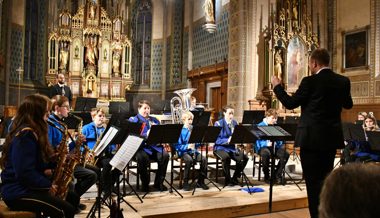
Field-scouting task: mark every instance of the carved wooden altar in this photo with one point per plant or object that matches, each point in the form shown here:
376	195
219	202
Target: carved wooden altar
288	45
92	51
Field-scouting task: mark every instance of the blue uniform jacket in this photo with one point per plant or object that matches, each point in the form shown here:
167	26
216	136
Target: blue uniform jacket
182	146
91	132
264	143
55	136
144	133
224	135
24	169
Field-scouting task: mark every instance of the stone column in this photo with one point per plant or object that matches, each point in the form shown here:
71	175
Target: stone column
163	59
238	77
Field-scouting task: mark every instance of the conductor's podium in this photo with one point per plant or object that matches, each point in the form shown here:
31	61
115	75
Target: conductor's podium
5	212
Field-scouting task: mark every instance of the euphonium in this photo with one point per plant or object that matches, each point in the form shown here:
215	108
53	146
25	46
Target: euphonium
180	103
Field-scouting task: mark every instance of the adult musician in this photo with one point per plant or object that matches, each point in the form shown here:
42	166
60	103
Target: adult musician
24	161
152	152
60	88
85	177
321	97
226	151
190	154
93	132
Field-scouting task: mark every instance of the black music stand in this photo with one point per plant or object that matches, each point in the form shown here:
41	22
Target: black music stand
204	135
164	134
86	117
83	104
201	118
119	107
125	145
374	141
242	135
253	117
127	128
96	207
272	133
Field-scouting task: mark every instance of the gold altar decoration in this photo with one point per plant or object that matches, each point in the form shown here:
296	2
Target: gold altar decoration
92	51
289	41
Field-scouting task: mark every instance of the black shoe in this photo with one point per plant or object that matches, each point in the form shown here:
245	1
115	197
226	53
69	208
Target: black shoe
234	181
82	206
186	186
145	188
202	185
161	187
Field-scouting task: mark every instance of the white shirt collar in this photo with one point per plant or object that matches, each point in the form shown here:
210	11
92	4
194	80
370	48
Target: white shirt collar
321	69
63	85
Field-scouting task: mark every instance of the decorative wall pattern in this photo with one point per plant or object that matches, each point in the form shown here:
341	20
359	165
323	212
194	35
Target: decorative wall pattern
41	43
176	73
208	48
16	52
156	81
168	56
185	55
360	89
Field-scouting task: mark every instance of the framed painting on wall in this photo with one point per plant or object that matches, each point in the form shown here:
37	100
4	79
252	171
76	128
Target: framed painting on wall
355	49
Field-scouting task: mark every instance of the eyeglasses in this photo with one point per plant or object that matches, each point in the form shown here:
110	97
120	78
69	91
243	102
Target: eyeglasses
66	106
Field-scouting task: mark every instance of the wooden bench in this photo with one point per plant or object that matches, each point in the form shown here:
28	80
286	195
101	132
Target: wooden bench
5	212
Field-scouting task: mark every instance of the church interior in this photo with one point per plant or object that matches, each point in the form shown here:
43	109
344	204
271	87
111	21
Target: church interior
125	50
222	52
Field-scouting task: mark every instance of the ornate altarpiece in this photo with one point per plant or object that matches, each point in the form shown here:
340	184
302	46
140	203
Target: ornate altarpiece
288	45
92	51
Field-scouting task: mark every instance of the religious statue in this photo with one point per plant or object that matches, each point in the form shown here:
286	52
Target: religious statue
91	52
63	56
116	62
209	11
295	13
278	64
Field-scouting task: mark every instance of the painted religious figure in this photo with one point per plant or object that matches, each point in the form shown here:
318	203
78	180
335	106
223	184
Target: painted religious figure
278	64
116	62
296	62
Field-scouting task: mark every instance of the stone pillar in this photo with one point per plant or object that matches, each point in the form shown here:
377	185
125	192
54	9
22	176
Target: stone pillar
238	56
190	46
163	59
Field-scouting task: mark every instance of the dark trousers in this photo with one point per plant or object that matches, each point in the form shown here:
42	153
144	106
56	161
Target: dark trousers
240	159
316	165
280	153
143	161
85	179
39	201
108	176
189	161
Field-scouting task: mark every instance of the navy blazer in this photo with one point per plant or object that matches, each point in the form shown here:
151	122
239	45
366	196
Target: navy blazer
321	97
225	133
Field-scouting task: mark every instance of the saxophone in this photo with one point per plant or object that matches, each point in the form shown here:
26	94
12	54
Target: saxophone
89	157
71	161
62	158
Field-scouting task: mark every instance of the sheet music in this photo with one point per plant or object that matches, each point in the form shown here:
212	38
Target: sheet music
110	134
126	152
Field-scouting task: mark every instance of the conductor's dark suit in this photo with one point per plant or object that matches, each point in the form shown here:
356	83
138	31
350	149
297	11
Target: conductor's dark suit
57	90
321	97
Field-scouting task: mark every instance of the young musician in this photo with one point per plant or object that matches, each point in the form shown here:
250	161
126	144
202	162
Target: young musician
85	177
93	132
151	152
189	155
264	148
226	151
24	161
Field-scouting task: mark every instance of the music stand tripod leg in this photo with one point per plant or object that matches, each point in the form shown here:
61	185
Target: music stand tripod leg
244	176
120	198
291	178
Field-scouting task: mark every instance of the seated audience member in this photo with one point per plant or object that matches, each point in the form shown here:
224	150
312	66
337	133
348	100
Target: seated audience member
226	151
151	152
362	115
351	191
190	154
264	148
25	159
